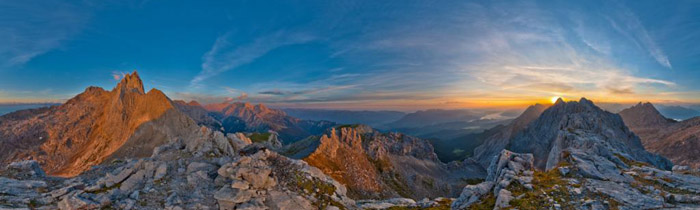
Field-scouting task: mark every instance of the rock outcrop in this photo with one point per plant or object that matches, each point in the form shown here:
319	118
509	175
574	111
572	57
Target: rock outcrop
513	183
678	141
378	165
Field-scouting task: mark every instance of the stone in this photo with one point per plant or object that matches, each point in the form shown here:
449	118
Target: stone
133	182
161	171
75	202
228	197
240	184
199	166
503	199
29	167
286	201
471	194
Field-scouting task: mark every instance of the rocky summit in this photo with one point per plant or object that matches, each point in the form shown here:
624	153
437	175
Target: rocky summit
93	126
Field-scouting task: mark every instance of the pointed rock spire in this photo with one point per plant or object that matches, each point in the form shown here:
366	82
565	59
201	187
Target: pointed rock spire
131	83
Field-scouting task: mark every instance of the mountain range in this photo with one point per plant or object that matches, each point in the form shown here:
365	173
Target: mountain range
126	148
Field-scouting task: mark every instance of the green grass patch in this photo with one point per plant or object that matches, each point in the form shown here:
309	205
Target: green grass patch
259	137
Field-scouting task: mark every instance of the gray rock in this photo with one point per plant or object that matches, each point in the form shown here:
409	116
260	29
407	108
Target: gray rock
134	181
74	202
471	194
228	197
200	166
286	201
503	199
161	171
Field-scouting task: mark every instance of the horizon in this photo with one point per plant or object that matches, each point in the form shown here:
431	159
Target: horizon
406	56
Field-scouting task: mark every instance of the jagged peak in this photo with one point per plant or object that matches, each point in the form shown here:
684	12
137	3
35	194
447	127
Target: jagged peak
559	101
131	83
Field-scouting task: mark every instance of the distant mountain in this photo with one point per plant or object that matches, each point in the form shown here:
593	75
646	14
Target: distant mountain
678	112
372	118
491	142
245	117
433	117
7	108
384	165
93	126
583	129
678	141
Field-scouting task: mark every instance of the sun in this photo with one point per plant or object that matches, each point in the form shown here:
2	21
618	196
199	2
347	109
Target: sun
554	99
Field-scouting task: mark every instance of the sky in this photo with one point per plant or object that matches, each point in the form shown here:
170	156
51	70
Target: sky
400	55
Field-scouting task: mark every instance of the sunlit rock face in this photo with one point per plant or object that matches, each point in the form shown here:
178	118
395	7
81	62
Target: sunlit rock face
89	128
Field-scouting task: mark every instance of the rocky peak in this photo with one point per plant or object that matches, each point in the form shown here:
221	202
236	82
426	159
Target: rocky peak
580	127
644	115
131	83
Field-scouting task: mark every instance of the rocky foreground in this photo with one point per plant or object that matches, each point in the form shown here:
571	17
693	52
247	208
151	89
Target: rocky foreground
513	182
221	172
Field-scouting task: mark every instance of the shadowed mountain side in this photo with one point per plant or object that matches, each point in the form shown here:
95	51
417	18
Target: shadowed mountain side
498	139
678	141
200	115
371	118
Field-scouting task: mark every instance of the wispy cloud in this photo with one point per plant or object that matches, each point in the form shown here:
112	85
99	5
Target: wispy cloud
32	28
226	55
627	23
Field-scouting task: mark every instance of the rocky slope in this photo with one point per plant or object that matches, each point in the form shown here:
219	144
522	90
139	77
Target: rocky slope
513	182
678	141
215	171
93	126
378	165
580	128
245	117
496	139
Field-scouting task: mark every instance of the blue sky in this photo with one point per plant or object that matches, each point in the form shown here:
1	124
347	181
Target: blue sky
356	54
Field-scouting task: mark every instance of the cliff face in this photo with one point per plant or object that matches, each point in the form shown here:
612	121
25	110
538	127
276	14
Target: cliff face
678	141
580	127
88	128
377	165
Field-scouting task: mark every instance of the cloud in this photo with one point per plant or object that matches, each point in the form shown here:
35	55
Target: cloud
626	23
31	28
225	55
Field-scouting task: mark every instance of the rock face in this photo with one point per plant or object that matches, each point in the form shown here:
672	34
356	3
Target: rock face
207	173
377	165
92	127
677	141
498	140
245	117
584	130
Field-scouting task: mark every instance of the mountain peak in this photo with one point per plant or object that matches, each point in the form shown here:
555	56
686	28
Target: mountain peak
131	83
643	115
559	101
